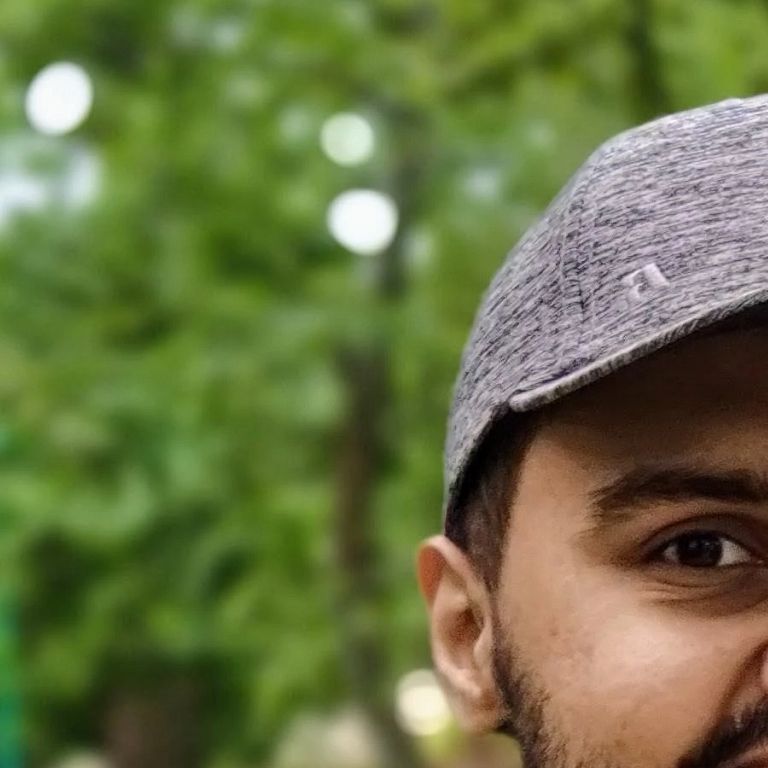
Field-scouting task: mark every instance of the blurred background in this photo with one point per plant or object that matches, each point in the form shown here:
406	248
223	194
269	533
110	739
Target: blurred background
241	245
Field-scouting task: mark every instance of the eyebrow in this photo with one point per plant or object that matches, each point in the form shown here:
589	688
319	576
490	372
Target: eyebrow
622	498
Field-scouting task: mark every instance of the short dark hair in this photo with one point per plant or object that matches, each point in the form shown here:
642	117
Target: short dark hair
480	518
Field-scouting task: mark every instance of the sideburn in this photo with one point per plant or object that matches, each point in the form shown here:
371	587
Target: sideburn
525	705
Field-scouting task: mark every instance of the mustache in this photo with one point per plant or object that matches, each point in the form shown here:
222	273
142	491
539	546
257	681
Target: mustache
731	739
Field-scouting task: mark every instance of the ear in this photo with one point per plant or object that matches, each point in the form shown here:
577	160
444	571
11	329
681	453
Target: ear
461	630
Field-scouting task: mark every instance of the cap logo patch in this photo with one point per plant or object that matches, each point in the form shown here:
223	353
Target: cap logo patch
644	281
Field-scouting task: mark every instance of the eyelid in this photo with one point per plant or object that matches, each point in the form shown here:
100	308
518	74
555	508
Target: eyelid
738	525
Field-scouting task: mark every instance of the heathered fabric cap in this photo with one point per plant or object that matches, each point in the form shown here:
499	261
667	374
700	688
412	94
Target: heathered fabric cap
663	231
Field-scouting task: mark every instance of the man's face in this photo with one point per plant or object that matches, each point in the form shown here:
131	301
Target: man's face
630	626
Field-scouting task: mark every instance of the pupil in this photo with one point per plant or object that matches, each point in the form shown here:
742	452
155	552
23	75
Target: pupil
700	550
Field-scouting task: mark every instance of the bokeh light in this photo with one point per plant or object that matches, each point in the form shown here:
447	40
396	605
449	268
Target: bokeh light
483	183
20	192
422	707
363	220
347	139
80	182
541	134
59	98
84	760
38	174
341	740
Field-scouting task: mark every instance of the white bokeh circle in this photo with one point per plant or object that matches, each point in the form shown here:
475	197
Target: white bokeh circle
59	98
347	139
363	220
422	707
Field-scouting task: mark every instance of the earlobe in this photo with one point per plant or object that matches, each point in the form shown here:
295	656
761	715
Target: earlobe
461	629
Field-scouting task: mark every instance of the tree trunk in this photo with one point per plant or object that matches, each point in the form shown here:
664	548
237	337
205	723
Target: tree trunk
365	377
365	373
155	729
646	83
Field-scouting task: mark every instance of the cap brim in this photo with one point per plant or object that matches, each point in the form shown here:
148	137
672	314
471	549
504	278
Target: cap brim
749	308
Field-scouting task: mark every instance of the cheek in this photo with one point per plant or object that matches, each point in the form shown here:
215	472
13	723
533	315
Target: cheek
654	685
625	674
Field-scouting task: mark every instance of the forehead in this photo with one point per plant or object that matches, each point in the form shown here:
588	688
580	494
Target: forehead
702	395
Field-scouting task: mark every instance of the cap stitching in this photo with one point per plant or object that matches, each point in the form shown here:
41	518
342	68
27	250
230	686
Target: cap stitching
580	194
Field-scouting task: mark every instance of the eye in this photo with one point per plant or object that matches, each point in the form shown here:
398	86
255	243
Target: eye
703	549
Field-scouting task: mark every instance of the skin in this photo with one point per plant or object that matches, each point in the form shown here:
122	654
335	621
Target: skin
601	646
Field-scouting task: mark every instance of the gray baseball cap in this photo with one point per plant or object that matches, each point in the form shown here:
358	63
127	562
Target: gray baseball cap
662	232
